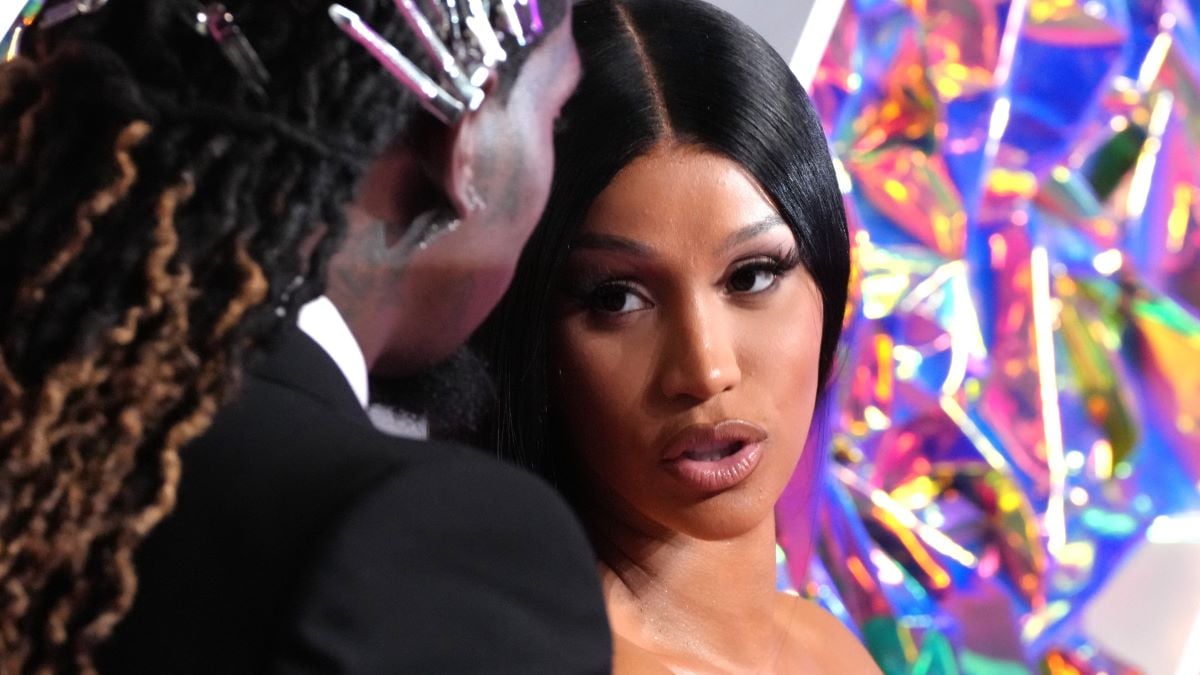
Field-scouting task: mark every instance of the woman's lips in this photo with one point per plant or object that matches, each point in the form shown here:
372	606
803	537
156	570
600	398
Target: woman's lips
715	457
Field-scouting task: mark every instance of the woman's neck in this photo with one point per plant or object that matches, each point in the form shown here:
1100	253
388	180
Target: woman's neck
693	602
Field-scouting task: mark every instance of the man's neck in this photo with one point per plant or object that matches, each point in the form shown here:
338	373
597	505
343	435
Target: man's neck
363	283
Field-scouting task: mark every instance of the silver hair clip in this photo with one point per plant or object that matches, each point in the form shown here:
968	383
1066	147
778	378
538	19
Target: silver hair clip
56	14
436	100
211	20
513	22
467	87
216	22
478	23
463	44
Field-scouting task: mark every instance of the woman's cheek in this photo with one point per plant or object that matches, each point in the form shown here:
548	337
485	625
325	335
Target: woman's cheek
600	387
582	364
799	355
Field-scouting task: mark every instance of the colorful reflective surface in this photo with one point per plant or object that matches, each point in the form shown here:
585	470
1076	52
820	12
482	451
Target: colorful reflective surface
10	40
1020	394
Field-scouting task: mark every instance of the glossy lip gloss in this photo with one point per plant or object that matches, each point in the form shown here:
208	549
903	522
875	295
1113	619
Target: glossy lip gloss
715	457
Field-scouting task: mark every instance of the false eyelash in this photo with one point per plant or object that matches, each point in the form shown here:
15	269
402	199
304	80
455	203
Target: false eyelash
577	287
582	294
784	261
788	260
580	289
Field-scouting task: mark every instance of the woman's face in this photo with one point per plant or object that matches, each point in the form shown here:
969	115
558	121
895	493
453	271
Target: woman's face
687	347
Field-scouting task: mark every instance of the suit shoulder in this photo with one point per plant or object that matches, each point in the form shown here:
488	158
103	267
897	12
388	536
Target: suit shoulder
273	444
486	561
465	490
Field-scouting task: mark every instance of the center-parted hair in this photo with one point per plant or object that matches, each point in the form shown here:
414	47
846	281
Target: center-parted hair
655	72
155	215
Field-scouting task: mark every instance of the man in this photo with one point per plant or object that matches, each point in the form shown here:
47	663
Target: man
305	541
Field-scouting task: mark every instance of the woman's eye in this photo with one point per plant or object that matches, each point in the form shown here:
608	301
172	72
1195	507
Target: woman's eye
616	299
752	279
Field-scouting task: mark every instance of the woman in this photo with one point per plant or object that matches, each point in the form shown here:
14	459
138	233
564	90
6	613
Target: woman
670	328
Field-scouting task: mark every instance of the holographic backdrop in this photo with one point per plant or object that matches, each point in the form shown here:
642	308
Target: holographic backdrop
1018	413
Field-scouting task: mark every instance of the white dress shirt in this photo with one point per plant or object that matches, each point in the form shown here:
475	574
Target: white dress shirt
322	322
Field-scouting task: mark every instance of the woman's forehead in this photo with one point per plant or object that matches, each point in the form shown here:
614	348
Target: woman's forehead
679	191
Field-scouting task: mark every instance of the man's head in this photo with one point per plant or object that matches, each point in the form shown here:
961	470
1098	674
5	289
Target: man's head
160	214
438	225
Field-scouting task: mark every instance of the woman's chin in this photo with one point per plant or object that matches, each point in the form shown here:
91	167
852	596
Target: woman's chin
732	512
725	516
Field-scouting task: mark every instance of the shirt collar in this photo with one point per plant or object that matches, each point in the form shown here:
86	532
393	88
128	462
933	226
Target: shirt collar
322	322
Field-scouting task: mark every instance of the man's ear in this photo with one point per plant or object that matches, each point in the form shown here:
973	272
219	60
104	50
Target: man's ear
467	139
460	169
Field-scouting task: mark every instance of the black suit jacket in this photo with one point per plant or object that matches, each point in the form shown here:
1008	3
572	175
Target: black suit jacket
305	541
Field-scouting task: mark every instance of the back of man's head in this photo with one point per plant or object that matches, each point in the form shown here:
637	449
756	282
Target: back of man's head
160	214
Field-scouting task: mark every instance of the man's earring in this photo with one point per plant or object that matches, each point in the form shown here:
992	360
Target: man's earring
426	227
436	229
475	201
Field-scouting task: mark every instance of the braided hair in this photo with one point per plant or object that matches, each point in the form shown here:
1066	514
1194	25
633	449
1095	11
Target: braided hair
153	213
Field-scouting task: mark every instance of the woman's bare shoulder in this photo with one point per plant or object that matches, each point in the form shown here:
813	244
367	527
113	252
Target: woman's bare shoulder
824	638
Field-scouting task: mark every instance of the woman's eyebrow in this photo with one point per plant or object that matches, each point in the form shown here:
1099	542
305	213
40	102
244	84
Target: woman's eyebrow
612	242
752	230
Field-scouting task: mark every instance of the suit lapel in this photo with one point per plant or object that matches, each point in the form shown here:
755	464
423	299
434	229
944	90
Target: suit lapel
297	362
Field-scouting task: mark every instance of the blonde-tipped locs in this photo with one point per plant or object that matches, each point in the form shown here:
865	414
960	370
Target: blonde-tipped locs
74	436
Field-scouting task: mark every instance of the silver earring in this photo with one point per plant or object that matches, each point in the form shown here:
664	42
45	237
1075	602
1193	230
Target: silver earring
474	200
426	228
436	230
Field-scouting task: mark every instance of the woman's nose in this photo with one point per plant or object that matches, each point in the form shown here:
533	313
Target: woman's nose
699	355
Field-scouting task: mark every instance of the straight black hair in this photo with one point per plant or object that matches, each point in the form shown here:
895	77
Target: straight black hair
655	72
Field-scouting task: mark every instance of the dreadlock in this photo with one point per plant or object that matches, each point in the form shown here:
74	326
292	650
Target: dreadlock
153	210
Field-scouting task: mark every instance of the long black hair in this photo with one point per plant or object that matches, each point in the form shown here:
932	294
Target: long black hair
656	71
153	212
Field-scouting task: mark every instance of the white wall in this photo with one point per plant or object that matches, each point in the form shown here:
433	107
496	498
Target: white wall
780	21
797	29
